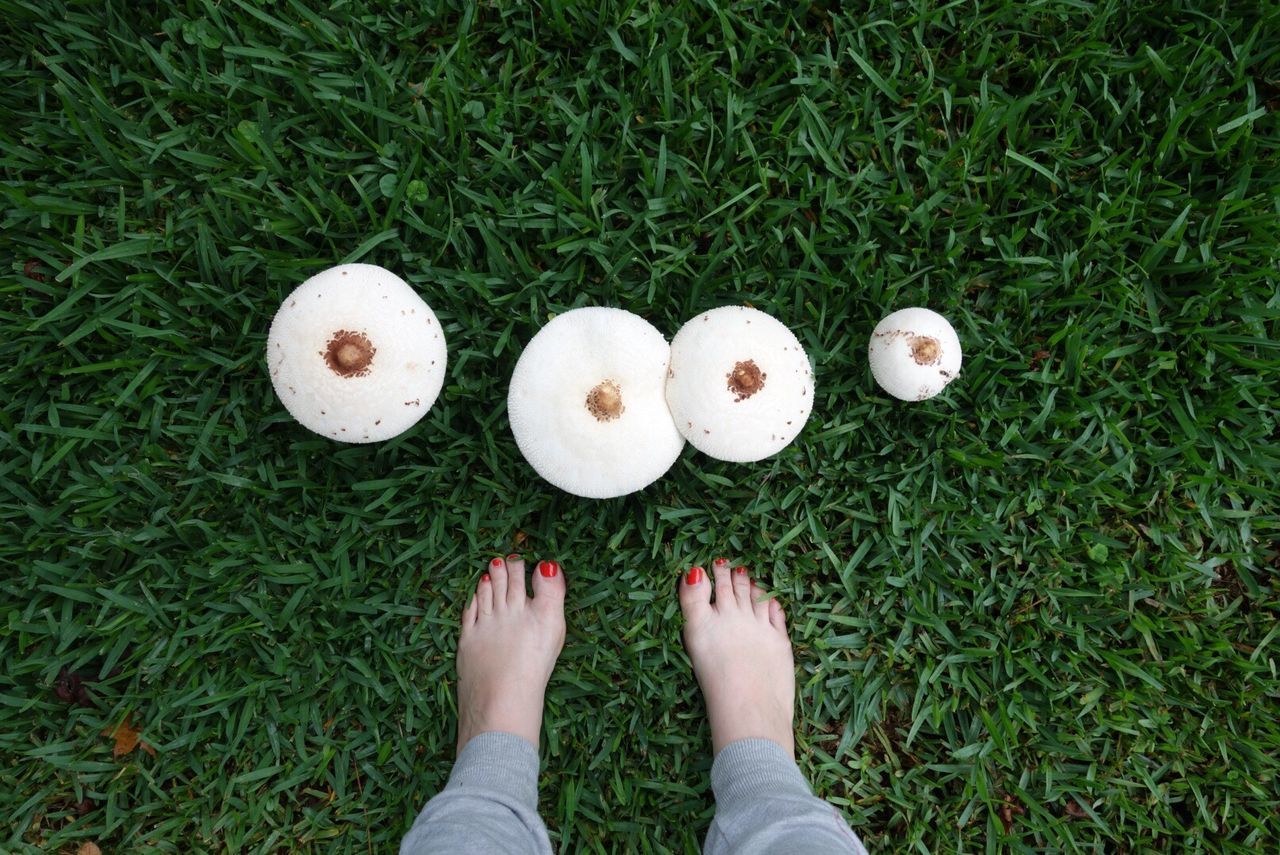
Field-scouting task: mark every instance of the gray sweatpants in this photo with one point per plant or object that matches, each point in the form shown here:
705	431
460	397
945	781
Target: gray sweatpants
763	804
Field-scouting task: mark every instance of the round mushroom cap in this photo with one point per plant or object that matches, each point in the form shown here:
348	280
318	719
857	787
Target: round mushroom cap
355	354
740	386
586	403
914	353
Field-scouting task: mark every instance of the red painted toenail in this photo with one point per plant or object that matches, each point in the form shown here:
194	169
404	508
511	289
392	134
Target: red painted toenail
720	561
694	577
548	569
484	578
497	562
513	557
739	569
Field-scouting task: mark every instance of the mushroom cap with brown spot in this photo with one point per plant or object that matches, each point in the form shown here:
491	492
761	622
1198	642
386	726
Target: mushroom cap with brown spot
355	354
586	403
914	353
740	386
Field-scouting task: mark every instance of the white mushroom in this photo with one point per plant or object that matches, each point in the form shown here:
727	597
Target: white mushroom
740	386
586	403
355	354
914	354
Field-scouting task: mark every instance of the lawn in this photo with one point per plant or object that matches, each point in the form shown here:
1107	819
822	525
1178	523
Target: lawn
1038	612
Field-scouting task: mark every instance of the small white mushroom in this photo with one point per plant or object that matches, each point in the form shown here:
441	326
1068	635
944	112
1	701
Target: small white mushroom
740	386
355	354
914	353
586	403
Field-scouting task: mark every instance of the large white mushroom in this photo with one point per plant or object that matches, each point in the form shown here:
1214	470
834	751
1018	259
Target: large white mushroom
914	353
355	354
586	403
740	386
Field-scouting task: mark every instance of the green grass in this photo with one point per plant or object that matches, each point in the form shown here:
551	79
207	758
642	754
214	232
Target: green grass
1038	612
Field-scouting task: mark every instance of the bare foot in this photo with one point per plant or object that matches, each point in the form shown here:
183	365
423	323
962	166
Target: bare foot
507	648
741	655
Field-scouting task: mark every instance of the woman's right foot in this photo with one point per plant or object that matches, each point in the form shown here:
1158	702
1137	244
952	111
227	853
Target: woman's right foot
741	656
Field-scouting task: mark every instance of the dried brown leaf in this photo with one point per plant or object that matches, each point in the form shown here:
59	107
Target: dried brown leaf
72	687
127	738
1008	811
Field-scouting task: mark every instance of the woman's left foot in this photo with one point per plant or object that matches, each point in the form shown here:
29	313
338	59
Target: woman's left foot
508	646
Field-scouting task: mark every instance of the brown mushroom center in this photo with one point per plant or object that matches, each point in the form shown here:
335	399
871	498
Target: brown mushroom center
925	350
745	380
604	401
349	354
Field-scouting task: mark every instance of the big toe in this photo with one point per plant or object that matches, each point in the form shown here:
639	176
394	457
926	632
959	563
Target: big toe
548	588
695	593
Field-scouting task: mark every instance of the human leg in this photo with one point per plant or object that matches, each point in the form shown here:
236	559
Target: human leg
507	647
741	655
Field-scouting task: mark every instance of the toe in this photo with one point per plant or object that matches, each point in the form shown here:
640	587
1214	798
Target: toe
777	616
548	588
469	614
695	593
484	596
723	584
742	586
760	602
498	573
515	581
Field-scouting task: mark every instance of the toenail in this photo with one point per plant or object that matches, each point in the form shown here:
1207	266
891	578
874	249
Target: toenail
739	569
511	557
548	569
484	578
497	562
694	577
720	561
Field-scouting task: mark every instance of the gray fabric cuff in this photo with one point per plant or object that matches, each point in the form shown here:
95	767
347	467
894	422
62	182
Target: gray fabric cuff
499	762
750	769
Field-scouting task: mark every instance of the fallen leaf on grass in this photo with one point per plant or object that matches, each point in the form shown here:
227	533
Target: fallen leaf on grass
127	738
88	849
1072	809
75	810
73	688
1008	810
